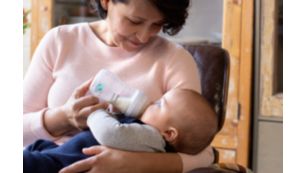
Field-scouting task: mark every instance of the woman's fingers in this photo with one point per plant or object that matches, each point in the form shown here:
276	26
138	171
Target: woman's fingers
86	111
82	89
80	166
80	106
93	150
84	102
87	164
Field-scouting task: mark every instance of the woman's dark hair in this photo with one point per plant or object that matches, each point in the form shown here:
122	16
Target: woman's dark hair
174	12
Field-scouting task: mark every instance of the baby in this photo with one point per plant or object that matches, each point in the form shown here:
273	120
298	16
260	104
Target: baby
181	121
181	118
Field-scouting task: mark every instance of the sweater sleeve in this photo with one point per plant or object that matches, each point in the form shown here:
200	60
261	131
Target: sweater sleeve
181	71
108	131
36	85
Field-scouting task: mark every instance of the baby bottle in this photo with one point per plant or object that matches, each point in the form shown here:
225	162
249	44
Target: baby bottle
108	87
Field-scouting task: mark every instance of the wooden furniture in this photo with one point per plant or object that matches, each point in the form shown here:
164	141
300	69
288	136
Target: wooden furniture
233	141
214	67
268	105
47	14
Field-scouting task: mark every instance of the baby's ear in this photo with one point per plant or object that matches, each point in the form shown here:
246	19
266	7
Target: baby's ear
170	134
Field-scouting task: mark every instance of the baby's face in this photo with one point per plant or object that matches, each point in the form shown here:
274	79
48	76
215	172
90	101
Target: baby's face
162	111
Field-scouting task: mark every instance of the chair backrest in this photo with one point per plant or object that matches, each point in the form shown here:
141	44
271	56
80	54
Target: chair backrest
213	64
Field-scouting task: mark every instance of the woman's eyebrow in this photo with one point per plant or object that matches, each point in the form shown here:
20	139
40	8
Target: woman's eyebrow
137	17
143	19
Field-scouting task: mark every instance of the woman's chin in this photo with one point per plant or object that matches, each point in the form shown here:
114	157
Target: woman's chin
131	47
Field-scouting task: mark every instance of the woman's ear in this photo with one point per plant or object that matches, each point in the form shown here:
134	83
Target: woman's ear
170	134
104	4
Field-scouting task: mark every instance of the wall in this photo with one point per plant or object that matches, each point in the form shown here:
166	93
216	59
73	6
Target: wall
204	22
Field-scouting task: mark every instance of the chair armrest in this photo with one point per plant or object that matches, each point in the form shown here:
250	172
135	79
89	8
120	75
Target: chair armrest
223	168
209	170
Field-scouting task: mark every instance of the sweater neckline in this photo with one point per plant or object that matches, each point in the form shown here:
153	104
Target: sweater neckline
115	51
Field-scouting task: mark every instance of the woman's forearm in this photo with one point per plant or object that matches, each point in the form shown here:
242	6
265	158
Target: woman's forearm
56	123
173	163
104	159
33	128
203	159
156	162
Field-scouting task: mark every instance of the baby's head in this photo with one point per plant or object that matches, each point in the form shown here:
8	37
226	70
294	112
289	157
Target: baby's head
184	118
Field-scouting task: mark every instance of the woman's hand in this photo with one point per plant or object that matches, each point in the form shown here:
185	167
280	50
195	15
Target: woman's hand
79	106
107	160
72	116
104	160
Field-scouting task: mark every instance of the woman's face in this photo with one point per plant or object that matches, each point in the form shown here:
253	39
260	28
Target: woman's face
133	24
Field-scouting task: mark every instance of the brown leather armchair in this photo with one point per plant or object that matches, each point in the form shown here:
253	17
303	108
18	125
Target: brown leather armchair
214	64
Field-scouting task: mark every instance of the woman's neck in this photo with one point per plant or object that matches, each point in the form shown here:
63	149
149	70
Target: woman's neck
102	31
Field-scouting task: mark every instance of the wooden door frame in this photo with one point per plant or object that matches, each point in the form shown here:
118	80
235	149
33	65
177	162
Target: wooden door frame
238	22
41	12
271	102
268	105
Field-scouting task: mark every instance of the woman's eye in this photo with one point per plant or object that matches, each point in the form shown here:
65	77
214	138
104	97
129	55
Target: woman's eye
134	22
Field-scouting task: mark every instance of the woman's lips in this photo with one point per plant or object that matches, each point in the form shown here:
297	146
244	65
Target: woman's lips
136	44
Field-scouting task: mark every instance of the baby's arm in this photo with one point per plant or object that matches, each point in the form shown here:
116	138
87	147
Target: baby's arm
110	132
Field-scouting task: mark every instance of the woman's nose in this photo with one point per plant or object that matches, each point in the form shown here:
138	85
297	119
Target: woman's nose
143	35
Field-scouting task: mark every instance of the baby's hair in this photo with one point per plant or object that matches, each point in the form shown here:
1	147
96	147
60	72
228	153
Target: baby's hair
199	125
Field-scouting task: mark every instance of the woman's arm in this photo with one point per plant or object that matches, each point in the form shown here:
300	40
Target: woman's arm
72	116
36	86
107	160
40	121
182	72
62	120
203	159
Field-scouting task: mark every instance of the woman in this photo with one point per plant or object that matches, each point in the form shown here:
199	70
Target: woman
125	42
